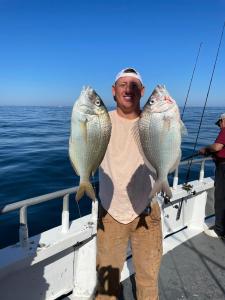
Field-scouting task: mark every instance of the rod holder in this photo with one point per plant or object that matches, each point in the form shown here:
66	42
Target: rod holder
202	171
175	179
94	215
65	214
23	229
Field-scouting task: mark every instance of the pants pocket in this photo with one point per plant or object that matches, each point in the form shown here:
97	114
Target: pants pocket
155	212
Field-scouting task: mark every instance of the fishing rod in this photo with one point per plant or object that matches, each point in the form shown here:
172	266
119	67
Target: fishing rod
187	186
207	95
192	76
190	156
194	155
189	88
186	99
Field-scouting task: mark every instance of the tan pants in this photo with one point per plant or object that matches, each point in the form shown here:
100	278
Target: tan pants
145	235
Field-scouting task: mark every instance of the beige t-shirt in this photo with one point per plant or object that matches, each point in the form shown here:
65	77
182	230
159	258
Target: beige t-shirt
124	180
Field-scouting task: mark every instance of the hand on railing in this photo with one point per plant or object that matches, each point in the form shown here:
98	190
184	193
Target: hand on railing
204	151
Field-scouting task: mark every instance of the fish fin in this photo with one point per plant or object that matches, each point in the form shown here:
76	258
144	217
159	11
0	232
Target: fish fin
83	127
147	163
173	168
183	129
95	166
85	187
136	136
72	156
161	186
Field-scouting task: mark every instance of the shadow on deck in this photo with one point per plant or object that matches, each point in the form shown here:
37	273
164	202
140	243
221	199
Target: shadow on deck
193	270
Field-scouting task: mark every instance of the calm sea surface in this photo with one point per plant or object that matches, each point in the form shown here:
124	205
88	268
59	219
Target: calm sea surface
34	161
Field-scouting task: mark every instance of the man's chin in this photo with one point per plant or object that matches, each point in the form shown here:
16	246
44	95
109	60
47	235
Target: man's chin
129	108
129	103
129	100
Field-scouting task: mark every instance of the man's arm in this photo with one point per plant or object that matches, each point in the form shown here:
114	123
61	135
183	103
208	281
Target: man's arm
211	148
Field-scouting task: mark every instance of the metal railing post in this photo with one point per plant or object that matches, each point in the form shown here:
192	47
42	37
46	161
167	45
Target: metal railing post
175	179
94	214
23	229
202	171
65	214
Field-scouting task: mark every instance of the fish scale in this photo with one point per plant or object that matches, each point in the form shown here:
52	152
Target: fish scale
90	134
160	129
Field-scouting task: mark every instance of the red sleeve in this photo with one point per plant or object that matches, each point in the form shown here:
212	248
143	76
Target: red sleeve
221	137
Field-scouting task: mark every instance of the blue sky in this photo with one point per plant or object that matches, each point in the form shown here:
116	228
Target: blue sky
50	49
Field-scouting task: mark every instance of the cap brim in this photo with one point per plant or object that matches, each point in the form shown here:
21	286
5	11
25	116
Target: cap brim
126	73
218	122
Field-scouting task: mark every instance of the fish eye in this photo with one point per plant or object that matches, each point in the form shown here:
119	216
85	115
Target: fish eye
97	102
152	101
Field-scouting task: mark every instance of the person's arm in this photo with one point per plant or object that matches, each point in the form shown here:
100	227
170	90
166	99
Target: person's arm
211	148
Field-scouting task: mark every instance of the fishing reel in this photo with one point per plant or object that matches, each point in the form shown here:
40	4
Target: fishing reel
165	198
188	188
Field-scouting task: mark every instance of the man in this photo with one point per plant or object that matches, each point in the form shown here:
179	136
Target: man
124	213
218	151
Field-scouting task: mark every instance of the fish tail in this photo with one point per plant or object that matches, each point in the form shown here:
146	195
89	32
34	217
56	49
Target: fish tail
161	186
85	187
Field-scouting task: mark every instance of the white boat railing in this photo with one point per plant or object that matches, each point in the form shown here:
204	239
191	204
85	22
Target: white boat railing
196	161
64	194
24	204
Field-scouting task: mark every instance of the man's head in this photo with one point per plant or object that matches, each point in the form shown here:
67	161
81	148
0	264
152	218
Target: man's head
221	121
128	90
129	72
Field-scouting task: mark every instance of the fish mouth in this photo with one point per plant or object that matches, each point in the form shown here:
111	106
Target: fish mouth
82	105
167	103
163	106
85	108
169	100
89	109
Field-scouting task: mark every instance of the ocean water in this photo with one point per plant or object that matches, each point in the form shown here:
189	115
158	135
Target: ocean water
34	161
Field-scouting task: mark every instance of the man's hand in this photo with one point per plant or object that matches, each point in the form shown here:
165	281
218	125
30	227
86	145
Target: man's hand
203	151
211	149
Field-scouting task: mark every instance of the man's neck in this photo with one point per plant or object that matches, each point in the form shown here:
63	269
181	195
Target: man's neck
128	115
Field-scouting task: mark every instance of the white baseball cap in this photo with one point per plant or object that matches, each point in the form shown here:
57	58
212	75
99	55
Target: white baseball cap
130	72
220	118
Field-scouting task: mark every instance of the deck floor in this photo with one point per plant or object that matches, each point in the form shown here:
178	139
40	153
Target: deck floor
193	270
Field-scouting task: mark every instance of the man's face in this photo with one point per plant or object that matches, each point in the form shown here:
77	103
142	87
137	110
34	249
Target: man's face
127	92
222	123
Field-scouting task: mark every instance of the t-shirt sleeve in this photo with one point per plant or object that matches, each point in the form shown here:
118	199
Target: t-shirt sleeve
221	138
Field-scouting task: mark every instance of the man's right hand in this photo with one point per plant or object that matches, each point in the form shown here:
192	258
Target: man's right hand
203	151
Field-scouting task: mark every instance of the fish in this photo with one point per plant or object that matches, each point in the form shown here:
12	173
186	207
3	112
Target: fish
160	130
89	137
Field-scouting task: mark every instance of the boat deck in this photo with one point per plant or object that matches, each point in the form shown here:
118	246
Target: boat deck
193	270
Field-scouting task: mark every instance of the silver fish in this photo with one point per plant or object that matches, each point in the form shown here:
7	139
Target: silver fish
89	138
160	129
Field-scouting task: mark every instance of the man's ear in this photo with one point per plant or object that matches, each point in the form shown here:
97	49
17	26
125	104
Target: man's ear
113	90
